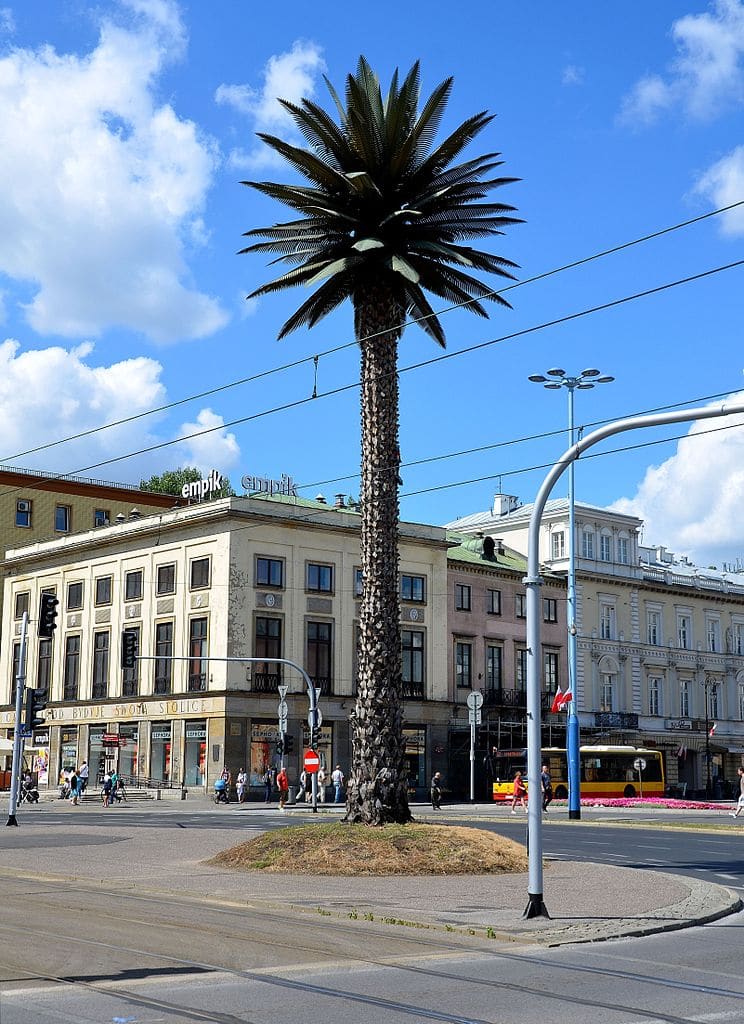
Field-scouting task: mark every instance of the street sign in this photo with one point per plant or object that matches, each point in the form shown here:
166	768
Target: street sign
283	691
283	724
282	709
475	700
639	764
311	762
319	722
24	731
475	716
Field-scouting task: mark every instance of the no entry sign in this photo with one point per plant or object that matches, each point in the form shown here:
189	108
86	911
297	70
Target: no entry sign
311	761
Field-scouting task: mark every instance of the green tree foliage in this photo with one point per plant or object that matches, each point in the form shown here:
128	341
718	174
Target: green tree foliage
172	480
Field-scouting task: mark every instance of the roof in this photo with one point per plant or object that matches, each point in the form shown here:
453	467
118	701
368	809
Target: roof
470	549
554	507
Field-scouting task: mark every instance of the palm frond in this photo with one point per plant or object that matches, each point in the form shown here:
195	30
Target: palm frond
320	304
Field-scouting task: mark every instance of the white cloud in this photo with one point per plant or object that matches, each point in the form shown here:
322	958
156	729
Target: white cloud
723	184
289	76
692	502
216	449
7	21
102	186
572	75
707	72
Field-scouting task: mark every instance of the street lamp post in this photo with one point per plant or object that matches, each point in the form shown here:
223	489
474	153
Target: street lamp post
555	380
709	682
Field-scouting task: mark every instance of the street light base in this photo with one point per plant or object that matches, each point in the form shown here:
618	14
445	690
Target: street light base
535	907
12	820
574	815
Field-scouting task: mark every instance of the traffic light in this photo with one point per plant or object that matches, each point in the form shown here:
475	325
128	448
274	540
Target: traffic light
129	648
35	704
47	615
314	737
288	744
280	747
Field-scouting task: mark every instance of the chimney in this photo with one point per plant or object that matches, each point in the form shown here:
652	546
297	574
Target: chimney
134	514
503	504
320	499
340	501
121	518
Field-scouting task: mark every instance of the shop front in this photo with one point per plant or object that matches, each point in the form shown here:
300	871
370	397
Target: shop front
414	743
160	752
195	753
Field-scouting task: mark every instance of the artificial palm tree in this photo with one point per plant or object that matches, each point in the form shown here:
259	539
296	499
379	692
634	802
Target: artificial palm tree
384	216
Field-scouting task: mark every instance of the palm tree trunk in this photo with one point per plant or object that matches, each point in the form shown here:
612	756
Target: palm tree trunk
377	791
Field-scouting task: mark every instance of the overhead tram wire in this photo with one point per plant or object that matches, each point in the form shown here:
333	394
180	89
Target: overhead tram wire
348	387
339	348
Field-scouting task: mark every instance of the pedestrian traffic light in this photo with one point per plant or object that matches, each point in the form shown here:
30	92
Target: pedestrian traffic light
36	701
279	747
47	615
288	744
129	648
314	737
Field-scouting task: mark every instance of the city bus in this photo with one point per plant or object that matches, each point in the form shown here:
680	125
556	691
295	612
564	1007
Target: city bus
606	771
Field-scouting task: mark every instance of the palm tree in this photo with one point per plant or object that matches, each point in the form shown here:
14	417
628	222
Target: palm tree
383	218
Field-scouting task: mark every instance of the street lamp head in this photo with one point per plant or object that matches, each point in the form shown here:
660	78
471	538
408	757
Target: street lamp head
553	387
584	386
591	372
537	378
556	372
605	380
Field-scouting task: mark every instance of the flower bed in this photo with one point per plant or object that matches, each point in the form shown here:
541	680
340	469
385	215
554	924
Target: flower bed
656	801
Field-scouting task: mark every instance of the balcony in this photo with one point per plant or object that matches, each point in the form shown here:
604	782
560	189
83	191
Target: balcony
265	682
498	697
412	690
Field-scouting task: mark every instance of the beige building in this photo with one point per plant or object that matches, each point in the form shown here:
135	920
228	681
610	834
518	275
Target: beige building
660	646
237	578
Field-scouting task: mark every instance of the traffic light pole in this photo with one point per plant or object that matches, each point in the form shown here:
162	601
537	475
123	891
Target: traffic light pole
17	738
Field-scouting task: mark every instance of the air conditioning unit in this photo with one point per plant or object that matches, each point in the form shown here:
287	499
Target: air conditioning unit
24	506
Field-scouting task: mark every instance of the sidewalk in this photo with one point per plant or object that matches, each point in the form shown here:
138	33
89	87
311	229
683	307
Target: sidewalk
587	902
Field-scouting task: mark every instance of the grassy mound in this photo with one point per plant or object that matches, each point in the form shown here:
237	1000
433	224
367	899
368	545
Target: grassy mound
343	849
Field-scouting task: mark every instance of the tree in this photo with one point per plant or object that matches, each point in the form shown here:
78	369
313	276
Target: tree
172	480
383	219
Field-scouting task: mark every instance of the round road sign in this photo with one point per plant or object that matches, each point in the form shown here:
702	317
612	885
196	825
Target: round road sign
639	764
475	700
311	762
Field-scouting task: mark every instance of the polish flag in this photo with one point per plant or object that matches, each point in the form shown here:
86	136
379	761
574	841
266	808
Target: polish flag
557	701
712	729
565	699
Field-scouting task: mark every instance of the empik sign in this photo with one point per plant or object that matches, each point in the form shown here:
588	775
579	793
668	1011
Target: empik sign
201	488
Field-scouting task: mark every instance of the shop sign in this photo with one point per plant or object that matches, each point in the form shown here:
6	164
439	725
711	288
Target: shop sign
263	485
263	732
110	739
196	734
201	488
41	739
161	734
678	724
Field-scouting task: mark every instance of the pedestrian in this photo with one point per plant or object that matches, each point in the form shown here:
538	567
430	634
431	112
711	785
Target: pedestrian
106	790
337	779
304	778
268	781
436	791
546	784
520	792
74	784
240	784
83	774
282	784
321	785
740	801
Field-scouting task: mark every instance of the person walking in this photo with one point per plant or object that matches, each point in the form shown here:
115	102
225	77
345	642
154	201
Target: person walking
240	784
436	791
83	774
268	781
337	778
74	786
546	785
106	790
740	801
282	784
520	792
321	785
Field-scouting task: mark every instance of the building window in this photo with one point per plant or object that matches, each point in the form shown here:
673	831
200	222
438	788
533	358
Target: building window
320	578
62	518
654	695
550	609
101	642
737	638
15	669
713	711
103	590
463	664
741	701
684	632
684	698
412	662
462	597
199	573
520	606
494	667
269	572
558	545
653	627
197	654
521	669
23	512
623	550
72	668
358	582
133	585
21	604
101	517
44	665
550	670
587	544
413	588
130	676
493	602
163	654
74	596
607	621
267	644
166	579
607	695
605	548
713	635
319	650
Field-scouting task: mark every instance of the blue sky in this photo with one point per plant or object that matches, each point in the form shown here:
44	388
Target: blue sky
128	126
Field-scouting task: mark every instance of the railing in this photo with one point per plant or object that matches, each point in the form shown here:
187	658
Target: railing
145	782
498	697
412	690
265	682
